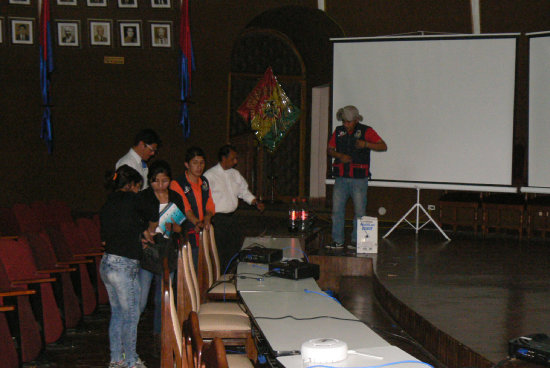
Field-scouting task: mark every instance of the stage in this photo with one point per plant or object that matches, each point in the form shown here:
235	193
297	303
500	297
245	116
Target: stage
464	299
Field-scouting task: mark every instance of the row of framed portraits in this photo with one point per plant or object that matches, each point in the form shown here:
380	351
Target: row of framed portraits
102	3
100	32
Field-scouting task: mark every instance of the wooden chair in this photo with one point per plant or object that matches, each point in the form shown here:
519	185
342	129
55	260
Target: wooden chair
221	286
210	355
224	320
190	291
209	284
174	350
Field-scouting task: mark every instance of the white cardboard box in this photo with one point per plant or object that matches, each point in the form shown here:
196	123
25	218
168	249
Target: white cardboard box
367	235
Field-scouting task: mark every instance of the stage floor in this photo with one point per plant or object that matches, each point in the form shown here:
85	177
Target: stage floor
482	292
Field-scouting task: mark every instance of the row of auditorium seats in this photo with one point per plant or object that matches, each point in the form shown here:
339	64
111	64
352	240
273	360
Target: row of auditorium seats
49	276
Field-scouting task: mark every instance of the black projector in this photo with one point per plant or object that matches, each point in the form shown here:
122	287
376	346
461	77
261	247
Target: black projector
257	254
294	270
535	348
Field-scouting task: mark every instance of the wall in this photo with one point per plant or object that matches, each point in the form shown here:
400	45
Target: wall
98	107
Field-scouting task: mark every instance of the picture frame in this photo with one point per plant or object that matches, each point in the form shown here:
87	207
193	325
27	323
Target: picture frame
68	33
66	2
20	2
22	31
127	3
130	34
161	34
100	32
96	3
161	3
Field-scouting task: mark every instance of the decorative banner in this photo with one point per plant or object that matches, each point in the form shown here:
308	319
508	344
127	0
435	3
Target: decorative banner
269	110
46	68
187	62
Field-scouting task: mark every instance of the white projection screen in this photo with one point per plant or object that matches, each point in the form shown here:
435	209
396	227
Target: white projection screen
539	110
444	105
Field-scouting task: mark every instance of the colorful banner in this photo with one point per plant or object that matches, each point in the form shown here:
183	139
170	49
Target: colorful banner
269	111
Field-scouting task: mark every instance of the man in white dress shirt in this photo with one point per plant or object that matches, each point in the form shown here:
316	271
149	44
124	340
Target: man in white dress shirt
227	186
146	145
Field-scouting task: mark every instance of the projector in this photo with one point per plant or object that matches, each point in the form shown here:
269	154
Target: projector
535	348
260	255
294	269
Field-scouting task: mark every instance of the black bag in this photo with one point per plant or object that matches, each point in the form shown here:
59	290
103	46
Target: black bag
151	260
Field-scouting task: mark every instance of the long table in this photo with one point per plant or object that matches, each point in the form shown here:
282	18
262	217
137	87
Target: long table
290	312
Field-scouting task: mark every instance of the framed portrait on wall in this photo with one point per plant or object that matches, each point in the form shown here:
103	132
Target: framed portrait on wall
127	3
66	2
20	2
130	34
100	33
161	3
96	2
161	35
22	31
68	33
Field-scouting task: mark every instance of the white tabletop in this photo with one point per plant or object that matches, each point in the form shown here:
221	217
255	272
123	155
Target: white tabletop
287	319
389	354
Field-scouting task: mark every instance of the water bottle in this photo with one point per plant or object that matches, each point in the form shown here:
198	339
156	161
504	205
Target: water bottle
293	216
304	216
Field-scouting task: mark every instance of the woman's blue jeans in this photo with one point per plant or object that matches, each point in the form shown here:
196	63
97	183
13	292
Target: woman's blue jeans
343	189
119	274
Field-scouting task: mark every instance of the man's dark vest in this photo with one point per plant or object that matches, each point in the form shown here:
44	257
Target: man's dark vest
360	158
188	191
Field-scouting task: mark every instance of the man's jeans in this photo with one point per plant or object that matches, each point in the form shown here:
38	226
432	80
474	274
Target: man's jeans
343	189
119	274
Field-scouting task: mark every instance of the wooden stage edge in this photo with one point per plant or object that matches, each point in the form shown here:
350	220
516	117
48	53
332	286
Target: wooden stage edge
444	347
448	350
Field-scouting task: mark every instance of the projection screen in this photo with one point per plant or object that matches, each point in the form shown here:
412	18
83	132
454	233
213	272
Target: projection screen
539	111
444	105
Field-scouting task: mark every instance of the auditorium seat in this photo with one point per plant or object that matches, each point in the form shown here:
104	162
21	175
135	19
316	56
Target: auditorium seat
46	257
8	223
29	340
27	219
8	352
63	286
21	271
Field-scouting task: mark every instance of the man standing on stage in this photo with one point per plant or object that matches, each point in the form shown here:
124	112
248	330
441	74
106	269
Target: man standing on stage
146	145
350	145
227	186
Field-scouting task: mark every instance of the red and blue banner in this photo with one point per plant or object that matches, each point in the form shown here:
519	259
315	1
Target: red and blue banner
187	62
46	68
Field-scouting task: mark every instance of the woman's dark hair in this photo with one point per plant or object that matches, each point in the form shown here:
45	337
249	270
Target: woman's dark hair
194	152
159	167
123	176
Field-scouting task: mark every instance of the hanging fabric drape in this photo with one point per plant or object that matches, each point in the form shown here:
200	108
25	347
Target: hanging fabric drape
187	65
46	68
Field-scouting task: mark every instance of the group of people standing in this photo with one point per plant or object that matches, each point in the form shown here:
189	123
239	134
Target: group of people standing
130	219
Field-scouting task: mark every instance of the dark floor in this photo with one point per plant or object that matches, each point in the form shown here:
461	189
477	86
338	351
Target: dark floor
483	292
